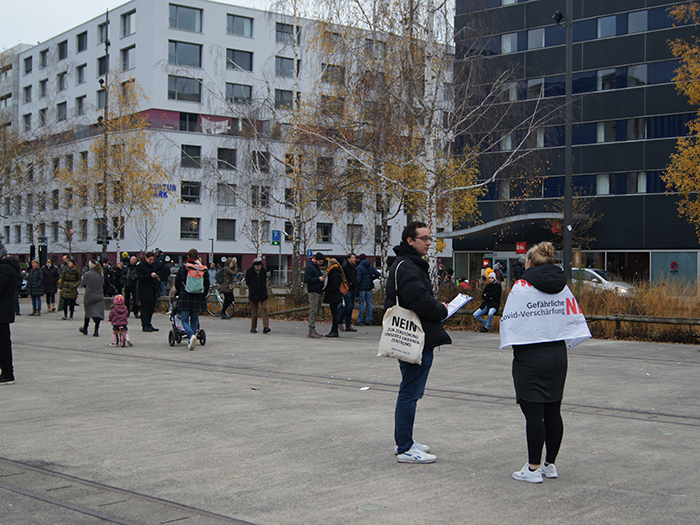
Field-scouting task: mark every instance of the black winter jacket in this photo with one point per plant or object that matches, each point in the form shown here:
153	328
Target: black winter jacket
334	277
35	282
491	296
257	284
415	293
149	287
366	274
9	276
350	275
311	278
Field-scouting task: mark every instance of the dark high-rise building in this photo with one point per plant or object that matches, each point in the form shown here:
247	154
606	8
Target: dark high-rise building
627	117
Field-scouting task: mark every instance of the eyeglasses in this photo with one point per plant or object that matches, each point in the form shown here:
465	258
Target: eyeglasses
424	238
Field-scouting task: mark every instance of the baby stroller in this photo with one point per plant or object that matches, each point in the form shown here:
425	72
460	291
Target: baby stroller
177	331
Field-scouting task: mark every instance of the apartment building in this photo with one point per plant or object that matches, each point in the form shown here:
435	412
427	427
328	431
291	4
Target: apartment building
627	118
220	82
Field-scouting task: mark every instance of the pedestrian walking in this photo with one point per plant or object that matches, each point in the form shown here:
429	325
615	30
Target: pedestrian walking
227	275
94	300
51	277
68	284
192	284
9	275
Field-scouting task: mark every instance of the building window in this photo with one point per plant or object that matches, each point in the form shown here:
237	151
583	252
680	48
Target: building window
61	111
102	33
323	200
637	75
332	106
324	167
378	237
324	232
284	33
27	95
55	200
102	66
605	79
284	99
101	99
225	194
605	131
188	121
375	49
191	156
636	129
80	106
637	22
354	234
128	58
262	229
187	18
42	116
129	23
184	54
18	234
289	198
43	84
606	26
535	38
261	161
260	196
239	59
27	121
189	227
226	158
238	93
603	184
82	230
288	231
81	42
284	67
43	58
80	74
63	50
189	191
355	202
183	88
239	25
28	65
509	43
61	81
333	74
225	229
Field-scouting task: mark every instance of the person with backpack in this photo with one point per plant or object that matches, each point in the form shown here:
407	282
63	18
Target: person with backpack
130	280
224	284
192	284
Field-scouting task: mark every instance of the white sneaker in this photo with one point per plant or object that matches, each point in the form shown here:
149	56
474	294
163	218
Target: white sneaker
415	455
193	342
549	471
423	448
527	475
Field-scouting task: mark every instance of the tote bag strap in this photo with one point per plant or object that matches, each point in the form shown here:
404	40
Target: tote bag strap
396	282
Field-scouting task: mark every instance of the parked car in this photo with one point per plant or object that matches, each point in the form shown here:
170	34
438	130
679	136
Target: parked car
596	279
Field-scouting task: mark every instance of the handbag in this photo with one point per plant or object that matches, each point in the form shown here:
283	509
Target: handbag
344	284
402	332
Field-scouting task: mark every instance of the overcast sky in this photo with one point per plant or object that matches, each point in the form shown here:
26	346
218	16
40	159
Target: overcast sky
32	21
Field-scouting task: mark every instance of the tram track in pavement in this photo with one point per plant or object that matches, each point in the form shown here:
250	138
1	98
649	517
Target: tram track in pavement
451	394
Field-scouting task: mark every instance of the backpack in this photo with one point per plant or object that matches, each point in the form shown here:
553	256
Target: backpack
219	276
131	277
194	283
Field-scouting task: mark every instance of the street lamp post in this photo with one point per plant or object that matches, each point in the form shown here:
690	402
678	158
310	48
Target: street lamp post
104	83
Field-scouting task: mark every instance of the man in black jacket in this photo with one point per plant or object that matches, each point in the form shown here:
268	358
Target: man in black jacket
256	280
350	271
148	290
411	283
9	275
313	277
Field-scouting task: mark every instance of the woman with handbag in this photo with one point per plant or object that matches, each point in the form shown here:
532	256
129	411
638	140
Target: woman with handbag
334	278
410	284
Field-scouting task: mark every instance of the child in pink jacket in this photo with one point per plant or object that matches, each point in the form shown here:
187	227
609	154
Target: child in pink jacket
118	316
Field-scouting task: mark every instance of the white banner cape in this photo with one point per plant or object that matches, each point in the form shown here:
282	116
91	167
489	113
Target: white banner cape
531	316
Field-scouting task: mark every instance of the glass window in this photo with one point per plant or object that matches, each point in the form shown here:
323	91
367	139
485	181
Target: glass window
239	25
535	38
606	26
333	74
659	18
636	128
80	106
101	99
584	30
189	191
605	79
43	58
188	121
129	23
637	22
27	121
183	88
354	234
226	158
239	93
605	131
61	110
284	33
240	59
509	43
102	33
187	18
101	66
332	106
27	95
61	81
81	42
666	126
535	87
324	232
602	184
189	227
554	36
637	75
184	54
662	72
63	50
260	195
284	99
225	194
190	156
42	116
28	65
42	87
355	202
80	74
225	229
128	58
284	67
261	161
555	86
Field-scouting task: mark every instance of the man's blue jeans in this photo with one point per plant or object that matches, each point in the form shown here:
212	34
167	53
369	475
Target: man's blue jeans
346	312
413	379
36	302
489	320
190	321
365	298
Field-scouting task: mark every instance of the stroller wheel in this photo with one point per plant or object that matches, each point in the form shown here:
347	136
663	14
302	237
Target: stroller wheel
171	338
202	337
178	338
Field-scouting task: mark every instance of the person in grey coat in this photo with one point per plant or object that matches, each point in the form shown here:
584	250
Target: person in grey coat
94	300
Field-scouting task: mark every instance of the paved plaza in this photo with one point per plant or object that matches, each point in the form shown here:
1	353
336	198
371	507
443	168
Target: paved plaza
282	429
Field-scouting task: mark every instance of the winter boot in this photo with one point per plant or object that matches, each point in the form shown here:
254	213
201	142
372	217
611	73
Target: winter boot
96	333
83	329
114	339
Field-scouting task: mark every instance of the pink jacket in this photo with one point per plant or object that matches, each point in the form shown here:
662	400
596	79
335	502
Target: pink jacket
118	315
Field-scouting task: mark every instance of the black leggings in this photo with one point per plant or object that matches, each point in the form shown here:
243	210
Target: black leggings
543	426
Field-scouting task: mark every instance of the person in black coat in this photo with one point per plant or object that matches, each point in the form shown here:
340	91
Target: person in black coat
334	276
492	301
9	276
256	280
51	277
350	271
313	277
148	290
409	283
35	286
191	303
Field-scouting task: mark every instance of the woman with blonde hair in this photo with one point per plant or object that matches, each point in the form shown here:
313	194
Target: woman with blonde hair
334	276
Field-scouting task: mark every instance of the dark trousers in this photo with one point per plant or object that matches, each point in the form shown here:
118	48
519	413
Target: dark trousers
543	428
129	296
334	317
413	380
228	301
68	304
346	312
147	309
6	351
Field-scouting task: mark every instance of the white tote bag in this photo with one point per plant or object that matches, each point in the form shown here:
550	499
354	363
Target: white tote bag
402	333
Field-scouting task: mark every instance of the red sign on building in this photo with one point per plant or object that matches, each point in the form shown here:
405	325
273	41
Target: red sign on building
521	247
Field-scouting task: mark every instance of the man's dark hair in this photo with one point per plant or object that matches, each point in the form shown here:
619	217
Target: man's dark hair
149	254
192	253
350	255
409	232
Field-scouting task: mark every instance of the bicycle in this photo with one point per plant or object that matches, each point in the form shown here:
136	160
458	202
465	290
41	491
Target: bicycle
215	302
121	337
